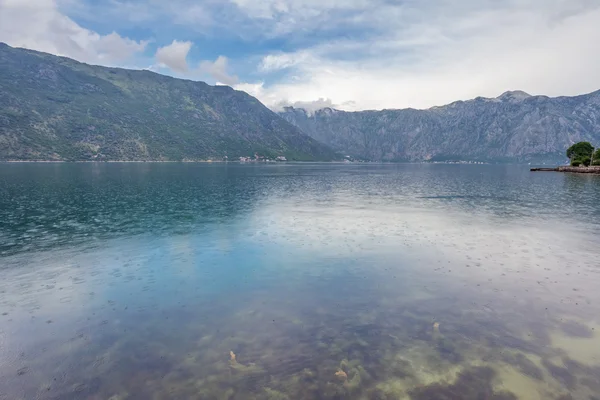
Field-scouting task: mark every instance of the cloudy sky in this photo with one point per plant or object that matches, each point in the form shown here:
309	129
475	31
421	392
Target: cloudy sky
350	54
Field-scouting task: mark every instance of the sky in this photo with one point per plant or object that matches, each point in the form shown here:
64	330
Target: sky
346	54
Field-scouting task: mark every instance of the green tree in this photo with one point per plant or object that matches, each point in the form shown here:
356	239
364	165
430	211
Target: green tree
580	149
580	153
596	158
581	161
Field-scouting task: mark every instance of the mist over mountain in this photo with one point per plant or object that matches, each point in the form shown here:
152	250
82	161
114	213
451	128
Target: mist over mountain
514	127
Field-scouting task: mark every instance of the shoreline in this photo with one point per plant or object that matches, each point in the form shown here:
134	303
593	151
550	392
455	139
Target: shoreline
159	162
108	161
575	170
523	164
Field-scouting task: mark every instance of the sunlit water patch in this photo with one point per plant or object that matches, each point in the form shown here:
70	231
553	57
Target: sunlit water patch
150	281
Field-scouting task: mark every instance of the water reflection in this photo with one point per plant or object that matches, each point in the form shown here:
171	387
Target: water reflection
299	282
43	208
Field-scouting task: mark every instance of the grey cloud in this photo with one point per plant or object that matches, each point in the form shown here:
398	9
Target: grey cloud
430	53
218	70
174	56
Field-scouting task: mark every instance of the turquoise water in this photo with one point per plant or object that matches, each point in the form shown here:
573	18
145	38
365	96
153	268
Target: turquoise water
298	281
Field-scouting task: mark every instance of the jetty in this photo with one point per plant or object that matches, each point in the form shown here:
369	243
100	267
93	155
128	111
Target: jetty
566	168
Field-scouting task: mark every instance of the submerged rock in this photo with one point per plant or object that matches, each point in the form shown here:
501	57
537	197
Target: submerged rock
341	375
561	374
524	365
576	329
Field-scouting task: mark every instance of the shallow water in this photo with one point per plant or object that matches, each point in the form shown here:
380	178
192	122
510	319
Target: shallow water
298	281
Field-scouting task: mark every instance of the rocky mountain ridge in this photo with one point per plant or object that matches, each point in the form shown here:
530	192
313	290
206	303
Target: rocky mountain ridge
513	127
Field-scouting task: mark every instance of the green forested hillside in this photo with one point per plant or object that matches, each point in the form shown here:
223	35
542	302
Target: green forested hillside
54	108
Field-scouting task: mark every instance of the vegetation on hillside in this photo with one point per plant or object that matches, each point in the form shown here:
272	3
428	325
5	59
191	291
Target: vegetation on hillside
54	108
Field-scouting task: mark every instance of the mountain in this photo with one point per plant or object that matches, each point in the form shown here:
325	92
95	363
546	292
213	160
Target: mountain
55	108
512	127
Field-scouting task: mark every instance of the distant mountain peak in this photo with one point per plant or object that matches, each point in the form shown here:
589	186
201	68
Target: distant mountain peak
513	127
310	112
514	96
328	110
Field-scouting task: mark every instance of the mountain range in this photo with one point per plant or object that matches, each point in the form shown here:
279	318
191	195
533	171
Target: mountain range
514	127
55	108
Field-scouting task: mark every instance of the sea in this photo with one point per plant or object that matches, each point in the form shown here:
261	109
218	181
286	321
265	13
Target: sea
228	281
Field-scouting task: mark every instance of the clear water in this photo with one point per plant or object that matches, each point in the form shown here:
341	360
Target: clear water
298	281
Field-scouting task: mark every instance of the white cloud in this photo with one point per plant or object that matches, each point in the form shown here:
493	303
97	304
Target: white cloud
431	53
174	56
277	61
355	54
298	9
196	15
218	71
257	89
39	25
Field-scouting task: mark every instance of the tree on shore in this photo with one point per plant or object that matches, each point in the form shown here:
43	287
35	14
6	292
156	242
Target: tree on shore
581	154
596	158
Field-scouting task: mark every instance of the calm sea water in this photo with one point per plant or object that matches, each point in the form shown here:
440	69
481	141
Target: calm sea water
298	281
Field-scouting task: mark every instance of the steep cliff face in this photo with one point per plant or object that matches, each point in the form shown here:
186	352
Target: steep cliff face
512	127
54	108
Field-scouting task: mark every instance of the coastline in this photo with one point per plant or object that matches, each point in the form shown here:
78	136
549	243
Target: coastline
159	162
143	161
566	168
